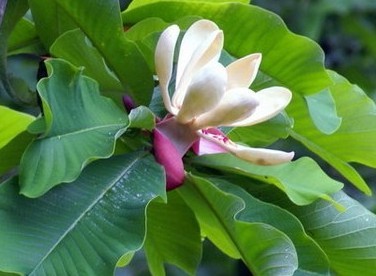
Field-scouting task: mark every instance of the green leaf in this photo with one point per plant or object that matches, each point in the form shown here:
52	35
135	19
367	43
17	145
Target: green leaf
103	26
142	29
139	3
11	153
352	142
263	134
258	211
302	180
348	238
76	48
81	228
14	10
145	33
253	30
22	75
51	20
263	248
322	109
81	126
12	123
24	39
164	240
142	117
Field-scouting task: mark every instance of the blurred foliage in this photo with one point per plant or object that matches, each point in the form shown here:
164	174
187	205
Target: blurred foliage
345	29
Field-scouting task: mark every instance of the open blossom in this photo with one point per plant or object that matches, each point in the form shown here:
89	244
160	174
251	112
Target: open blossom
208	95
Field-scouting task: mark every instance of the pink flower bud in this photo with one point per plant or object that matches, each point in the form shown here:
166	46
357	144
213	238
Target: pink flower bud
169	157
128	103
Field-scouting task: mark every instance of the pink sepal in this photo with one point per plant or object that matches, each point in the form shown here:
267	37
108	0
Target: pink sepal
204	146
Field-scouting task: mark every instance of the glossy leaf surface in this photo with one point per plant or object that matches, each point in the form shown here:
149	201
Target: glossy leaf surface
103	26
354	139
311	257
164	240
245	35
263	248
76	48
81	126
83	227
12	124
346	237
302	180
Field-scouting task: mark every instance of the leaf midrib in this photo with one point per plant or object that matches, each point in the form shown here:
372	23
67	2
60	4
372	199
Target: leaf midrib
90	207
99	47
84	130
227	229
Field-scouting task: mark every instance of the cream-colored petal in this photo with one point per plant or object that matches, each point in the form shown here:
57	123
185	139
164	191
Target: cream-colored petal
235	105
201	44
242	72
164	56
204	93
260	156
272	101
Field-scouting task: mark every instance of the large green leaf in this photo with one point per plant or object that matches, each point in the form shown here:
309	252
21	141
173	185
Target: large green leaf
252	30
352	142
81	228
14	10
12	123
302	180
263	248
145	33
80	125
311	258
348	237
164	240
24	39
75	47
22	75
50	20
101	23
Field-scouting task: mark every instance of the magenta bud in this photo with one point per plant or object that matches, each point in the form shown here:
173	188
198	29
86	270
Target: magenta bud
128	103
169	157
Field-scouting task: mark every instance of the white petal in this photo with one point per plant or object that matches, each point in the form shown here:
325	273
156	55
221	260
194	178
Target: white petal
204	93
164	56
261	156
258	156
201	44
272	101
236	104
242	72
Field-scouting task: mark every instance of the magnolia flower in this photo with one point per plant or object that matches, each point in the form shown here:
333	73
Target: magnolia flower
208	95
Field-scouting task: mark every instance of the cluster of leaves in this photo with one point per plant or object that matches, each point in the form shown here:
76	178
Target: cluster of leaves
81	191
344	28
